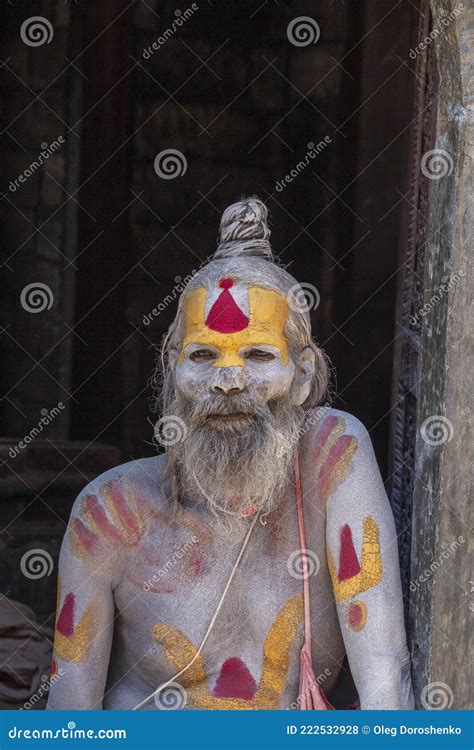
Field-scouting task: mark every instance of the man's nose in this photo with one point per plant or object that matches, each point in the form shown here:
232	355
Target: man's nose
229	381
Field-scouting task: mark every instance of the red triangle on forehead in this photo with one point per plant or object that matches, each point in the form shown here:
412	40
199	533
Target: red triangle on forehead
225	316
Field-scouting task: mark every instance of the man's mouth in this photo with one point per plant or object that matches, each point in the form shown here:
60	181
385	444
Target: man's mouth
230	417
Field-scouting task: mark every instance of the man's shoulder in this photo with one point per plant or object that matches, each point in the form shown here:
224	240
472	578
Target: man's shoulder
329	448
116	507
324	421
137	473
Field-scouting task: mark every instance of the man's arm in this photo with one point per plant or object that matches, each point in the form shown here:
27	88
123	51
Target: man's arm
85	611
361	546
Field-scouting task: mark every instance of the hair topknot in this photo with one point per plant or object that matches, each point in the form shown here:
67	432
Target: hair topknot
244	231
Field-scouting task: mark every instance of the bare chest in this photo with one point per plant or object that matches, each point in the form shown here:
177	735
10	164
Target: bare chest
170	589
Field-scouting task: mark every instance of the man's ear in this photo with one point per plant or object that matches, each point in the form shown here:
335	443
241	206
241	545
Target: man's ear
304	374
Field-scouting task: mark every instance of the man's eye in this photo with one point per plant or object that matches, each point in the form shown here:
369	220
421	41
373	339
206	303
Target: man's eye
260	354
201	355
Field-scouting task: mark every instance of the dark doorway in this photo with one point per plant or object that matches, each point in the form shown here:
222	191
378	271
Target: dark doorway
250	108
318	129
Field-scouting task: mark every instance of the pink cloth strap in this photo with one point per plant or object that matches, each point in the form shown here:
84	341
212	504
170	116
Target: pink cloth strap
311	697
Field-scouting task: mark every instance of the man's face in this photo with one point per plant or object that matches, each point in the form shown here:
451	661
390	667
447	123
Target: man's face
234	344
234	388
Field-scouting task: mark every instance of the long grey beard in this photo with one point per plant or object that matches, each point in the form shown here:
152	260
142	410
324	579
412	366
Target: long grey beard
235	465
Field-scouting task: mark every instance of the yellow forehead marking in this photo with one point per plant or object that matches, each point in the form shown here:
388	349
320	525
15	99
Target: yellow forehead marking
268	311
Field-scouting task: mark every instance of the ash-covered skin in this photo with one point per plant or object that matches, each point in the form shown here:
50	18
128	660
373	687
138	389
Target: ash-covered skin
264	374
157	563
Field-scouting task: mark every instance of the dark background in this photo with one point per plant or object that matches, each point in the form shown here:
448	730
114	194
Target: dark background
109	236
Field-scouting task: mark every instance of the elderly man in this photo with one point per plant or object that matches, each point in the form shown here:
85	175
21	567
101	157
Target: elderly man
181	576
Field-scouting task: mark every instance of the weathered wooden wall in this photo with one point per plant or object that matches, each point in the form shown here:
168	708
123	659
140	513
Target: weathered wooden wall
442	600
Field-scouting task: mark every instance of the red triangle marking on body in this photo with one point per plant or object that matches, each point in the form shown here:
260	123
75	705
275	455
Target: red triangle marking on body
348	563
65	623
225	316
235	681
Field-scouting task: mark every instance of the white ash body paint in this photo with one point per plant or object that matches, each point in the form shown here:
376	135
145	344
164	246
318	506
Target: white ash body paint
251	458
